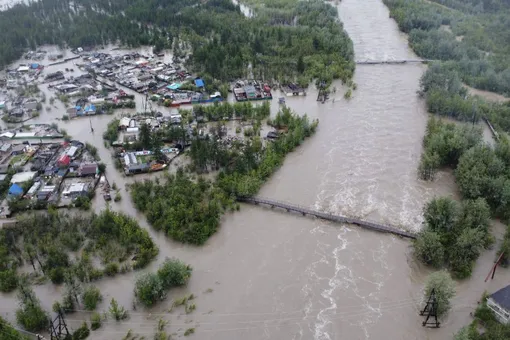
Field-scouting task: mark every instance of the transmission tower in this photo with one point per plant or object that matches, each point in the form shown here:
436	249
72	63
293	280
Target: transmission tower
430	310
58	328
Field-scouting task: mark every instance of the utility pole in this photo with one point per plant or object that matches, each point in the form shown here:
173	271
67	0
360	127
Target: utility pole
430	310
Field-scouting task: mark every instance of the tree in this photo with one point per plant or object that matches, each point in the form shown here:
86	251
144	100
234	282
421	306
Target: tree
7	332
149	289
429	249
467	248
444	288
441	214
144	136
174	273
30	314
73	288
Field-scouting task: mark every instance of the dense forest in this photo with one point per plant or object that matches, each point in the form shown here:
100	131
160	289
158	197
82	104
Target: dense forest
284	39
45	241
473	35
482	173
189	210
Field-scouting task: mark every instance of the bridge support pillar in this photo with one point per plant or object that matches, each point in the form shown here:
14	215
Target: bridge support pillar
272	206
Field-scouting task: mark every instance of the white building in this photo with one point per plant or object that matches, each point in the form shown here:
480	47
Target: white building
499	303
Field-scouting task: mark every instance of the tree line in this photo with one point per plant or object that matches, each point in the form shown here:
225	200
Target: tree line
299	39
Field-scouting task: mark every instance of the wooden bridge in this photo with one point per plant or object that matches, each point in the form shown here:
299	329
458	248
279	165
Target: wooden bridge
326	216
393	62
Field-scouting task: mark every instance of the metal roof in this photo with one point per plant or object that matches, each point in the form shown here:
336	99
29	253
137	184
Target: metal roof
502	297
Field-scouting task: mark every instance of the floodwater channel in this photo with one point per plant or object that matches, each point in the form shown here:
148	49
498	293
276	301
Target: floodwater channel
271	275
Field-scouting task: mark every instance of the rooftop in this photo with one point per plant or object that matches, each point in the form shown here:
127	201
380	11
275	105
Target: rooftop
502	297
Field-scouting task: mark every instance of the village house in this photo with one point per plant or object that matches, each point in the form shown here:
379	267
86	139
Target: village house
499	303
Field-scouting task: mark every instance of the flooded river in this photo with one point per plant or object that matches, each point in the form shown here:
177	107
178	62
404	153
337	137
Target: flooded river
271	275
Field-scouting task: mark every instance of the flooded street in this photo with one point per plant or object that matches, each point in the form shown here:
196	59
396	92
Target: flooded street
272	275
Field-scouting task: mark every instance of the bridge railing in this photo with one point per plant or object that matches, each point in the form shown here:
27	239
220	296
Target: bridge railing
302	209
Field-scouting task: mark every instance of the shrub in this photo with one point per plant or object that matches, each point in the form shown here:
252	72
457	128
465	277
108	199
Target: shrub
174	273
117	312
81	333
91	297
95	321
32	317
111	269
149	289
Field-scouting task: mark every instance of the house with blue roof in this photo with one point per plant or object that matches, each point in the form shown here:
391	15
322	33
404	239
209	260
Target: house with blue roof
199	83
15	191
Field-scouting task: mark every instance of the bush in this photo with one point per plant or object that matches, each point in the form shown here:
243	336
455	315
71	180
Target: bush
95	321
149	289
189	331
444	287
117	312
91	297
117	197
111	269
174	273
81	333
82	202
32	317
57	275
65	117
348	94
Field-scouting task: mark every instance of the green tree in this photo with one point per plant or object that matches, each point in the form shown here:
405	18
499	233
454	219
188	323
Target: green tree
8	332
441	214
144	136
174	273
429	249
30	314
444	288
149	289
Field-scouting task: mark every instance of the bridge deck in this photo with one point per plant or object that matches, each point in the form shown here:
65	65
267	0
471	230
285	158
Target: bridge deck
391	62
326	216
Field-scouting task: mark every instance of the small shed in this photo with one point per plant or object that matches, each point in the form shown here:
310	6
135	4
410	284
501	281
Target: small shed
88	169
15	190
22	177
64	160
199	83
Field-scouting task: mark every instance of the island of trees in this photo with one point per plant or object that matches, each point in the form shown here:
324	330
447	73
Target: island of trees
189	209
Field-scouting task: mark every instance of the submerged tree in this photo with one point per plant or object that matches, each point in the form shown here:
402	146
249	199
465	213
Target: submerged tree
444	289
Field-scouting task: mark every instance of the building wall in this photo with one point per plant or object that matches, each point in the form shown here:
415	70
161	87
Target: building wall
502	314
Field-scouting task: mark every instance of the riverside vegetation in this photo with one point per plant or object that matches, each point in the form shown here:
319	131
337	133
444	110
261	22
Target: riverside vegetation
469	40
46	240
287	39
189	210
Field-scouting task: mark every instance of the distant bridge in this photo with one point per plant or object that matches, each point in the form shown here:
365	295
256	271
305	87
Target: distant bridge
393	62
326	216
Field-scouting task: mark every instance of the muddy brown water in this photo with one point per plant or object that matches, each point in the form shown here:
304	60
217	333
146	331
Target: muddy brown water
271	275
